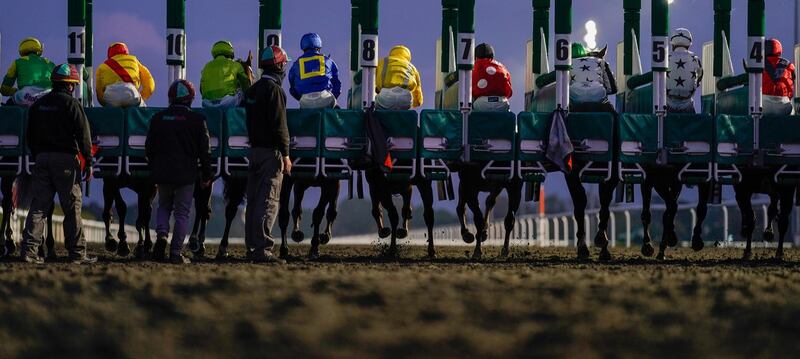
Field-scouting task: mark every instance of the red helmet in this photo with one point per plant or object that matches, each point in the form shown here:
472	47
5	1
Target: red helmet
117	48
181	92
774	48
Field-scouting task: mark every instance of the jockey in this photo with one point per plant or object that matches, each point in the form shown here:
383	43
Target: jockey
779	77
685	73
223	80
491	82
314	78
31	72
398	83
121	78
591	81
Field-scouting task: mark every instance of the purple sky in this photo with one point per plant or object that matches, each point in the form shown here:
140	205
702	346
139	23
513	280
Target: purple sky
414	23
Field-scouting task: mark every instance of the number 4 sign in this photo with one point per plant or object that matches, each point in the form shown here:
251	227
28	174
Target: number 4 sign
755	52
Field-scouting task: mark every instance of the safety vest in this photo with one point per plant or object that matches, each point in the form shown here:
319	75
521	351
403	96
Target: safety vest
685	74
779	78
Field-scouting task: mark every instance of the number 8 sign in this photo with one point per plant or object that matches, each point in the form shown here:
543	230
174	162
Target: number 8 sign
369	50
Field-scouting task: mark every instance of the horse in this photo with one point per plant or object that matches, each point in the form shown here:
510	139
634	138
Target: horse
327	207
470	185
381	190
112	197
782	196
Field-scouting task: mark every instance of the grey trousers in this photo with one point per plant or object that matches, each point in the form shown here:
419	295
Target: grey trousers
55	173
174	200
264	178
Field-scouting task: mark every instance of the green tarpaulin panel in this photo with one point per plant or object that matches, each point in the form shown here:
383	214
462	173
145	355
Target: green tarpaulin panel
532	132
235	130
440	135
214	118
734	132
137	122
402	132
108	125
707	104
492	136
599	128
343	135
695	132
305	127
781	139
733	102
639	100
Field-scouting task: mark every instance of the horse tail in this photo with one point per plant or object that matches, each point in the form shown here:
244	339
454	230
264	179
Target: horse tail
21	191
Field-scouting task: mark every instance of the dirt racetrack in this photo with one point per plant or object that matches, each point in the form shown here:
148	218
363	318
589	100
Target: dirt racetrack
538	303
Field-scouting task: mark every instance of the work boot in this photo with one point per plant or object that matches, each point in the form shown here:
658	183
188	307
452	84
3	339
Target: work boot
178	258
267	257
82	259
160	249
32	259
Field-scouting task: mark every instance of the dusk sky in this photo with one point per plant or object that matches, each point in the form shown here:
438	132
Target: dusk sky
507	24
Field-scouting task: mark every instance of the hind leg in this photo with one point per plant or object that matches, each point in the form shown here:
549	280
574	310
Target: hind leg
464	193
426	192
647	196
110	190
316	221
491	201
234	196
402	232
480	224
514	191
601	238
772	214
297	212
703	192
578	194
786	195
202	212
377	211
331	213
668	237
744	193
394	222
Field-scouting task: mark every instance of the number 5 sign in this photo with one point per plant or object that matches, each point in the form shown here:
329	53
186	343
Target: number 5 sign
755	52
660	53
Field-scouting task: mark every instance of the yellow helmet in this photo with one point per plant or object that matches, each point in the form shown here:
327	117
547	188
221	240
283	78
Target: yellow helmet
30	45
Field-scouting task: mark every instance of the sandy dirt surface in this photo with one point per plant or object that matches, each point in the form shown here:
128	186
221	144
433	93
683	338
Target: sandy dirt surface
350	304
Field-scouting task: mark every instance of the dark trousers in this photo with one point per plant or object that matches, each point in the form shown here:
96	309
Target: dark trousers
55	173
264	178
174	200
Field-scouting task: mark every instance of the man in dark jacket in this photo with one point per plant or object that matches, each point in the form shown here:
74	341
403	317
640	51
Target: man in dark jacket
265	103
176	140
58	131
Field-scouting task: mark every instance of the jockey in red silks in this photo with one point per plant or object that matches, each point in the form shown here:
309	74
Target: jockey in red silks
779	78
491	82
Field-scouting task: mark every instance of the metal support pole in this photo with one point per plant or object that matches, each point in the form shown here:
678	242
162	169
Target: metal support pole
355	33
563	62
176	39
76	35
88	100
632	27
755	67
369	50
541	26
465	59
270	23
660	61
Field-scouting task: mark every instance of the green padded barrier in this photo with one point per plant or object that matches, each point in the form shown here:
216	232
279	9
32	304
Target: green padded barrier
532	136
707	104
108	128
400	128
591	127
12	131
781	139
639	100
734	131
343	135
137	123
440	135
642	129
235	133
682	133
304	132
544	100
733	102
214	119
492	136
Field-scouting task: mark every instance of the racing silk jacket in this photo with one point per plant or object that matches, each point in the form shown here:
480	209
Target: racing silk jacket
314	72
29	70
490	78
139	74
685	74
591	80
222	77
779	77
396	70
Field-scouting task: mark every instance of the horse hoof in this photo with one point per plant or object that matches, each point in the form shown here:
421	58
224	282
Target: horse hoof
605	255
391	252
670	238
402	233
483	236
583	252
697	243
769	235
467	237
601	239
139	251
298	236
194	244
111	244
661	256
717	244
477	255
779	255
504	252
431	254
284	252
313	253
222	254
40	252
384	232
122	249
324	238
648	250
748	255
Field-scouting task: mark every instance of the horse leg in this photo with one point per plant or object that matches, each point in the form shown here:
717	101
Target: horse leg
110	191
784	216
316	221
332	211
480	223
7	189
772	213
668	236
402	232
514	191
235	189
394	221
461	211
122	213
283	214
601	238
202	201
377	211
703	192
297	212
744	193
491	201
578	194
647	196
426	192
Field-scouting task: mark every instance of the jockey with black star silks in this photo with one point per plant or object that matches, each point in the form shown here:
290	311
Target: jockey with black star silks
685	73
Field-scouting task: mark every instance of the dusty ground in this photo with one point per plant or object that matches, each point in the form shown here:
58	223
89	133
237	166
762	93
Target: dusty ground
350	305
